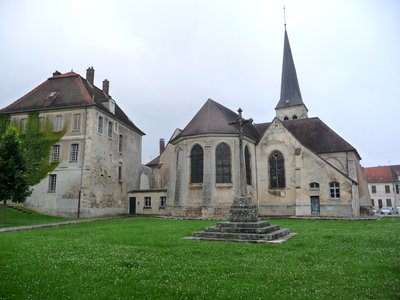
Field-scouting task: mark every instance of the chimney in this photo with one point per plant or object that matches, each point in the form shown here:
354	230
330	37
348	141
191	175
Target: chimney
106	86
56	73
162	146
90	75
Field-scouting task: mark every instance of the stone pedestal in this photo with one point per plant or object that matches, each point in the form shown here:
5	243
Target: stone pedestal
243	210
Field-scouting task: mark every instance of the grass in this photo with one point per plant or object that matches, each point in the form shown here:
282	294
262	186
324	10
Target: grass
146	258
10	217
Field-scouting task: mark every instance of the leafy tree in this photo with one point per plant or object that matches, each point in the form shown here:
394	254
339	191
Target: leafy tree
14	184
37	141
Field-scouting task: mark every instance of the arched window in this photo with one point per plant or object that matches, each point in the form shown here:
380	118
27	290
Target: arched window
223	163
276	170
286	118
294	117
314	186
335	189
247	163
196	164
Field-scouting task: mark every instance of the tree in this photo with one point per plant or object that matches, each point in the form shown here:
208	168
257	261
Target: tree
14	184
37	141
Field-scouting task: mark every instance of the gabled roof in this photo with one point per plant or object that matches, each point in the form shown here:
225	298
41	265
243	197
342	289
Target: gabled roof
214	118
66	91
290	90
317	136
381	174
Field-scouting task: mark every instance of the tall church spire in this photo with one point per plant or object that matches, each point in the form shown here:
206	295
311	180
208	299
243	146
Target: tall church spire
290	105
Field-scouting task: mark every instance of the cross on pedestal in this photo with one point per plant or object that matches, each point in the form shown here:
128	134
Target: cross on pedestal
242	210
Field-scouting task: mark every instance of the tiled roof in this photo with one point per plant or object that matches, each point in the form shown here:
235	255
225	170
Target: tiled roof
66	91
381	174
214	118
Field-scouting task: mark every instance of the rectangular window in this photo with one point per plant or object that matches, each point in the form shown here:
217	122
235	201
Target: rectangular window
42	122
120	172
74	152
120	142
58	123
147	201
397	189
76	126
100	124
373	189
110	129
387	189
335	190
52	183
380	203
372	202
163	201
389	202
55	153
23	124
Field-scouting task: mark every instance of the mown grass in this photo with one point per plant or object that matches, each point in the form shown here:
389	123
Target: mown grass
10	217
146	258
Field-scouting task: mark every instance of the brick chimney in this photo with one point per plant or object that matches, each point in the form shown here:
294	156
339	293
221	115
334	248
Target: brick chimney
90	75
162	146
106	86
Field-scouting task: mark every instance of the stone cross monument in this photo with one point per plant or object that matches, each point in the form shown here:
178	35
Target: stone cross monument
242	210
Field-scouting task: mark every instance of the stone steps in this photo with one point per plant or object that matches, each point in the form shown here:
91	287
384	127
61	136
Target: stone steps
253	232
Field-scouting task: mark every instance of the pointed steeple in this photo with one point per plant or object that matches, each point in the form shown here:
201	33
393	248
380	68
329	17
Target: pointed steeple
290	90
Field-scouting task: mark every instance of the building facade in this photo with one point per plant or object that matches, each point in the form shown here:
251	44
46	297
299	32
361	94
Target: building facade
384	186
295	165
99	155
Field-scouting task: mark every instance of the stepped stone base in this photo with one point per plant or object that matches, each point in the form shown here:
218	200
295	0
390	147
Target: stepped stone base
251	232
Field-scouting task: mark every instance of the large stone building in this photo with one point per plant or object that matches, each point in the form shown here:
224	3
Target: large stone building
295	165
384	185
99	155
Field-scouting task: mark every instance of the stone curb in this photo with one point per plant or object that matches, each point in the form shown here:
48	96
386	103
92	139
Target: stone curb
46	225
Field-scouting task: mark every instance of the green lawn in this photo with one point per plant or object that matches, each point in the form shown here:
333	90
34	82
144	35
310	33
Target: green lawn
10	217
146	258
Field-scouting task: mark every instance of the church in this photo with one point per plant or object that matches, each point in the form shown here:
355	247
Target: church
294	165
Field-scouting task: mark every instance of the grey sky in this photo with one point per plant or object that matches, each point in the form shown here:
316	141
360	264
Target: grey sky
164	59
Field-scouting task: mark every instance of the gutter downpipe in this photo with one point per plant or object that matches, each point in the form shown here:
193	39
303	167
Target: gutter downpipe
83	162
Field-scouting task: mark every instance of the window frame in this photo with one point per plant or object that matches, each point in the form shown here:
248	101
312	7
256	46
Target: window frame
58	123
163	201
147	202
334	189
110	129
373	189
76	122
100	121
120	143
55	154
223	163
276	170
52	186
196	164
74	153
314	186
247	163
387	189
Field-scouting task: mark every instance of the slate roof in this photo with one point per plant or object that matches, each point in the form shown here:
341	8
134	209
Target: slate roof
381	174
317	136
71	90
290	90
213	118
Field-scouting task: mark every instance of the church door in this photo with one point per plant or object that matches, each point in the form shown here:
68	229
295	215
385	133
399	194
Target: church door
315	205
132	205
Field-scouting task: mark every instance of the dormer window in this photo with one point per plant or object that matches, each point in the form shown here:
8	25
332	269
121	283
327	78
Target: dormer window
111	106
52	95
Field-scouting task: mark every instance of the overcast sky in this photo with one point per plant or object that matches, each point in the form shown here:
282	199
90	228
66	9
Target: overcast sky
164	59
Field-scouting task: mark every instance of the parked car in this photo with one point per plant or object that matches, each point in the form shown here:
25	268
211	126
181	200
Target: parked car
387	211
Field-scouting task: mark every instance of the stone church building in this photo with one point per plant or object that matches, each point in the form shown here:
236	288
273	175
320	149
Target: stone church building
295	165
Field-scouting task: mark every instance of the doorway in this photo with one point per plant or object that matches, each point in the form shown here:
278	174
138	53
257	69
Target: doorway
132	205
315	208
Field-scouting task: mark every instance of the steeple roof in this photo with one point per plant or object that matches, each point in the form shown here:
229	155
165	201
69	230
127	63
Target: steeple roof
290	90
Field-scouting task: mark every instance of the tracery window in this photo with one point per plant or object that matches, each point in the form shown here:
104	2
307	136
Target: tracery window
247	163
196	164
223	163
276	170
